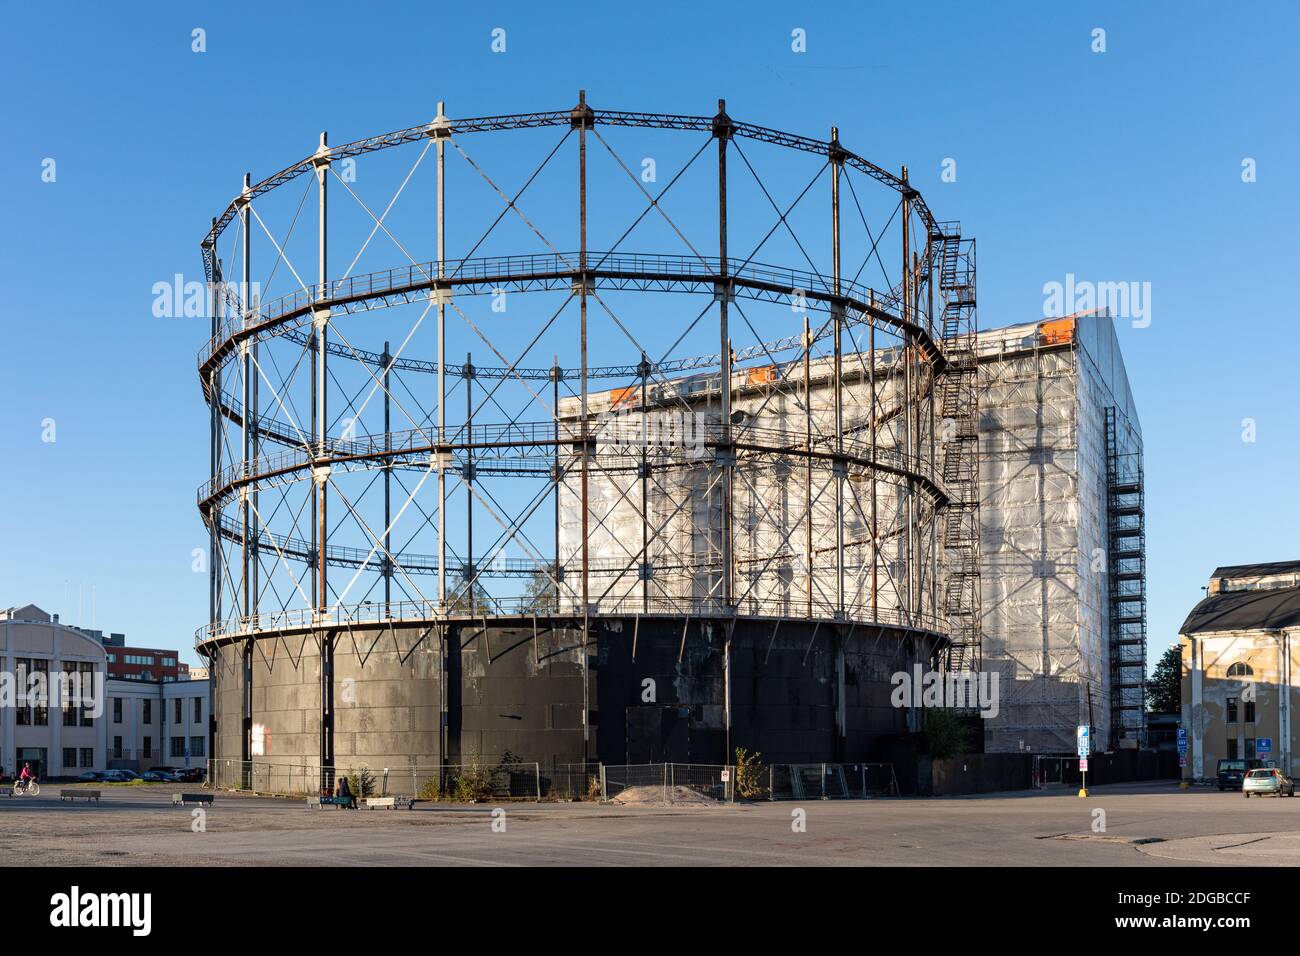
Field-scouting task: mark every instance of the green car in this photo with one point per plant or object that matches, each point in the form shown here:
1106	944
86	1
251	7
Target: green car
1268	780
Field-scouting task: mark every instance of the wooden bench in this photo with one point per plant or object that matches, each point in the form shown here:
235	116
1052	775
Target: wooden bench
180	799
389	803
73	794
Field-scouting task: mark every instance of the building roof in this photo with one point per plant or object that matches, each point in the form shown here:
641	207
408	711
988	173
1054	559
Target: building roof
1256	570
28	612
1257	610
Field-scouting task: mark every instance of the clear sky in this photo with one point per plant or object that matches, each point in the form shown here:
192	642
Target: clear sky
1122	165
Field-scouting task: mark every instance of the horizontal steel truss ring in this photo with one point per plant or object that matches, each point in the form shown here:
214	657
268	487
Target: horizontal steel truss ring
643	272
419	449
714	125
289	435
338	621
500	567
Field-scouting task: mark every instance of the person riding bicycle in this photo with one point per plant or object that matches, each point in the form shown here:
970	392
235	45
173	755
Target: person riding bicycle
26	777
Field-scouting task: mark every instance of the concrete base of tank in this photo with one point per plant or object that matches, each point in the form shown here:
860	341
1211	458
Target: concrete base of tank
654	689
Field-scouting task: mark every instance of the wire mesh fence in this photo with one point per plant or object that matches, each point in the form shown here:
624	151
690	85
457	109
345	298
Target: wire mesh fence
830	781
461	782
654	783
667	783
571	781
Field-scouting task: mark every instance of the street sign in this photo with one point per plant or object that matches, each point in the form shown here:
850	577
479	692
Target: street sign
1182	733
1083	738
1083	764
1263	746
1182	760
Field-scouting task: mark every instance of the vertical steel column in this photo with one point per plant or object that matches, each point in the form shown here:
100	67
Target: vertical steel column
254	412
320	418
875	477
245	371
468	478
837	163
556	374
245	430
807	444
644	369
918	436
583	118
215	299
722	130
934	423
388	491
322	316
909	346
440	129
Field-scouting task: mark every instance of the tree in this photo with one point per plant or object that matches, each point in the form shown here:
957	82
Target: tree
469	600
1165	688
945	733
540	595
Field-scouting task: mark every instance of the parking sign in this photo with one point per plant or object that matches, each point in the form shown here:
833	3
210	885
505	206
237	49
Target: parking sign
1083	737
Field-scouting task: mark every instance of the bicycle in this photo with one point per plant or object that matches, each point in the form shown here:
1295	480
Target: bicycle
27	788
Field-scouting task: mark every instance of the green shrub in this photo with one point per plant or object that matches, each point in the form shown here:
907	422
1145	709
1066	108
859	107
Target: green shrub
361	782
945	734
473	783
750	776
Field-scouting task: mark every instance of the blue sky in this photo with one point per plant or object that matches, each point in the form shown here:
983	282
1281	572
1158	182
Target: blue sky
1122	165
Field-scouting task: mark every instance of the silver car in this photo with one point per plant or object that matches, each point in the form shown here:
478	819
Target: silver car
1268	780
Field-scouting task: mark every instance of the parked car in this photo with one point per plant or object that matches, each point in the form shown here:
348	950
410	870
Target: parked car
91	776
1267	780
1232	772
157	776
119	776
190	775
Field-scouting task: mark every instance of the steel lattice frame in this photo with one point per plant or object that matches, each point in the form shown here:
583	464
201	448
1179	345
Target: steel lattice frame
295	533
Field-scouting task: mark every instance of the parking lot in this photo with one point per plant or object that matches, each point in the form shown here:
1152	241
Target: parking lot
1125	825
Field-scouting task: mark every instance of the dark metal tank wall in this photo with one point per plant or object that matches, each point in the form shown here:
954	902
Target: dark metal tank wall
786	687
656	690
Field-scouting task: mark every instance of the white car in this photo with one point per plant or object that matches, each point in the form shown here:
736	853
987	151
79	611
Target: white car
1267	780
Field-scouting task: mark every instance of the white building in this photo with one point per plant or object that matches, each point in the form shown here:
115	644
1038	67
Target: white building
111	723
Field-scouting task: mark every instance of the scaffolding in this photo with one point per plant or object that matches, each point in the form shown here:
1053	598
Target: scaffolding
1126	563
1054	401
959	443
